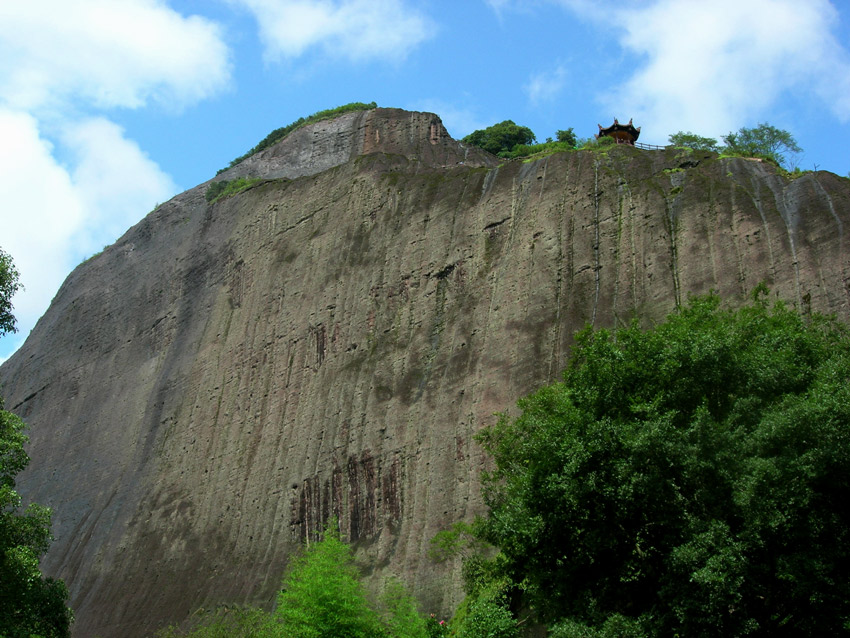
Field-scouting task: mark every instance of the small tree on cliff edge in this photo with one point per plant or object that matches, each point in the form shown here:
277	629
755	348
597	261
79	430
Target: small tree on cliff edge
694	141
501	137
762	141
691	480
30	605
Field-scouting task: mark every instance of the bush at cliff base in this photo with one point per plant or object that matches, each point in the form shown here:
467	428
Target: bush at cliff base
690	480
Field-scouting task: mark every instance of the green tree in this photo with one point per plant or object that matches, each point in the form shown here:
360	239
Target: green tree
401	616
501	137
694	141
9	285
688	480
30	605
762	141
568	136
488	617
226	622
322	595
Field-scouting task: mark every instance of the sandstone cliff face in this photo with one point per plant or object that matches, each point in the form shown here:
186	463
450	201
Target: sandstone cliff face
209	390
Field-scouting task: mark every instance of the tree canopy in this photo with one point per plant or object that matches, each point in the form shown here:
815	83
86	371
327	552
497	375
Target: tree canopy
568	136
763	140
501	137
687	480
322	597
694	141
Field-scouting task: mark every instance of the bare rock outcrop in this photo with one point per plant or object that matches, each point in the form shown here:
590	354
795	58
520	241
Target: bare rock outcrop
208	391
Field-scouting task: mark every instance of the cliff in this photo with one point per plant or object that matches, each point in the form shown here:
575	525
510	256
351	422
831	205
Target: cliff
206	392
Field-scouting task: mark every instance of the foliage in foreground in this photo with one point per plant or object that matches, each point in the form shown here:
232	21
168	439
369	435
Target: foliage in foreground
278	134
30	605
322	597
689	480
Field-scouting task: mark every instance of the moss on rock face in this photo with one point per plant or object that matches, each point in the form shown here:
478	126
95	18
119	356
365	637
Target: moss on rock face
227	188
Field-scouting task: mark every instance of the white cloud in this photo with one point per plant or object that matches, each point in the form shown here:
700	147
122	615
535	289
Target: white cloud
41	209
60	63
107	53
115	181
545	86
713	67
52	218
354	29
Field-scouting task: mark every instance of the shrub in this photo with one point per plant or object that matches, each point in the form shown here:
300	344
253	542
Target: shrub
526	150
227	622
227	188
401	617
488	617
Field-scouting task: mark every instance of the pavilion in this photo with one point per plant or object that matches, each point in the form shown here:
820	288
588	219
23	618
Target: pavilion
622	133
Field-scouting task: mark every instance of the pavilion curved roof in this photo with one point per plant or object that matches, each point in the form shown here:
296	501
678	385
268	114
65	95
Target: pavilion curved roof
620	131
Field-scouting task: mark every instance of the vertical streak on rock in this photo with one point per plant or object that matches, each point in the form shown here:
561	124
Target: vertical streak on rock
756	199
711	229
555	363
367	463
391	493
321	346
596	266
669	201
353	500
326	504
633	247
618	250
844	278
736	237
336	492
790	229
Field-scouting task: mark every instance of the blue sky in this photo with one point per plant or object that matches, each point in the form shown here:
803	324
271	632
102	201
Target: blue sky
110	107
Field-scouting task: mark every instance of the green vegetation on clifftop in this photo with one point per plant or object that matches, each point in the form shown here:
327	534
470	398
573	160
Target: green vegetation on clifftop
278	134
